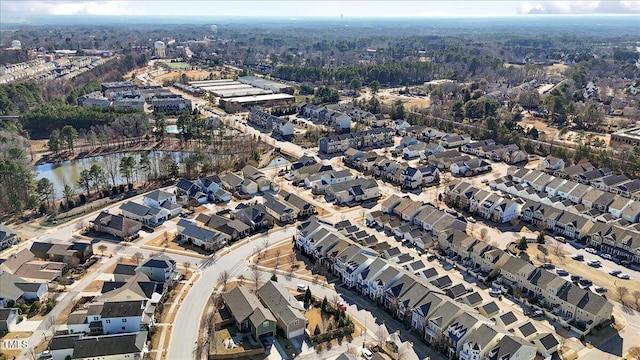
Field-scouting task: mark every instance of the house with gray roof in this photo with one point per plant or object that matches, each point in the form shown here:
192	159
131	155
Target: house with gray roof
120	346
479	342
286	309
144	213
511	347
15	288
190	233
249	313
116	225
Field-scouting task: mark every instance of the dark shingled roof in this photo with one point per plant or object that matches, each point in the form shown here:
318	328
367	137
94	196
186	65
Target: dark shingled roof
122	309
99	346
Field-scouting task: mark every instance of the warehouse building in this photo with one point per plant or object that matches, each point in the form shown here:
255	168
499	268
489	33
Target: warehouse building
244	103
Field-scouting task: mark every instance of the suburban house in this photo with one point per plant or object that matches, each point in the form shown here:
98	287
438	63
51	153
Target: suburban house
157	198
116	225
256	216
143	213
137	287
249	313
160	268
358	190
204	238
303	207
551	164
286	309
8	319
280	211
120	346
7	237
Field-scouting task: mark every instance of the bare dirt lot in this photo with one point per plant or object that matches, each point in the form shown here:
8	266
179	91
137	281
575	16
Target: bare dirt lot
194	75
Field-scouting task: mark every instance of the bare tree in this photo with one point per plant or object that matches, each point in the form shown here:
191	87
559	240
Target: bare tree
102	248
277	263
223	279
382	334
256	276
186	265
557	250
165	239
241	279
137	257
265	243
636	298
622	291
292	258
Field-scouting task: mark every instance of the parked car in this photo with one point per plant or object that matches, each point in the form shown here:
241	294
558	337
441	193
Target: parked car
607	257
495	292
537	313
593	263
615	272
577	257
623	276
548	265
600	289
301	287
471	219
562	272
576	278
591	250
561	239
585	282
366	354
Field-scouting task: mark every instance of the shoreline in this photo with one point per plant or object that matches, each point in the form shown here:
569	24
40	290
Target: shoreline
48	157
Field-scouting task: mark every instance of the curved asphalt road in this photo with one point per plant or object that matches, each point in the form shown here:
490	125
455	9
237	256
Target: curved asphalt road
186	326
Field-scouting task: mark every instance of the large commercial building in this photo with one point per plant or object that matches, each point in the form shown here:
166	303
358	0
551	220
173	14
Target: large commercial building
276	87
627	137
236	104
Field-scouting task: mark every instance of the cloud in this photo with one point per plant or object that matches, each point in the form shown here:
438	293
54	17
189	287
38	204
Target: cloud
68	7
580	7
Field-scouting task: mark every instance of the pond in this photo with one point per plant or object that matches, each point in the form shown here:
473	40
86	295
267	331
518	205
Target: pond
68	172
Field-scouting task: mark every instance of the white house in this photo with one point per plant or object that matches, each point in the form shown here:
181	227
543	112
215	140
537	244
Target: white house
123	317
8	319
249	187
159	268
143	213
157	198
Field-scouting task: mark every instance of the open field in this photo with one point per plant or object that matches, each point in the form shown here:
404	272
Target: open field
176	65
284	261
191	74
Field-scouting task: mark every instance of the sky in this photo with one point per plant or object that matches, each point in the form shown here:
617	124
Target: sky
306	8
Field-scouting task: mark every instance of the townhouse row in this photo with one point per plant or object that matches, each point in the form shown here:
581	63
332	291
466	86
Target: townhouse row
374	138
326	115
445	314
265	120
398	173
562	300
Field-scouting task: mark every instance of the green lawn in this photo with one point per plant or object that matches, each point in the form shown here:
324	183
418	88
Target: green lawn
177	65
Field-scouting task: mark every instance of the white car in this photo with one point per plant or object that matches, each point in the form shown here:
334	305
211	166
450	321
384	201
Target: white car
623	276
495	292
301	287
593	263
591	250
366	354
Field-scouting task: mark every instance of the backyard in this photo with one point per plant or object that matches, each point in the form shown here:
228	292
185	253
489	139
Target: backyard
228	340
